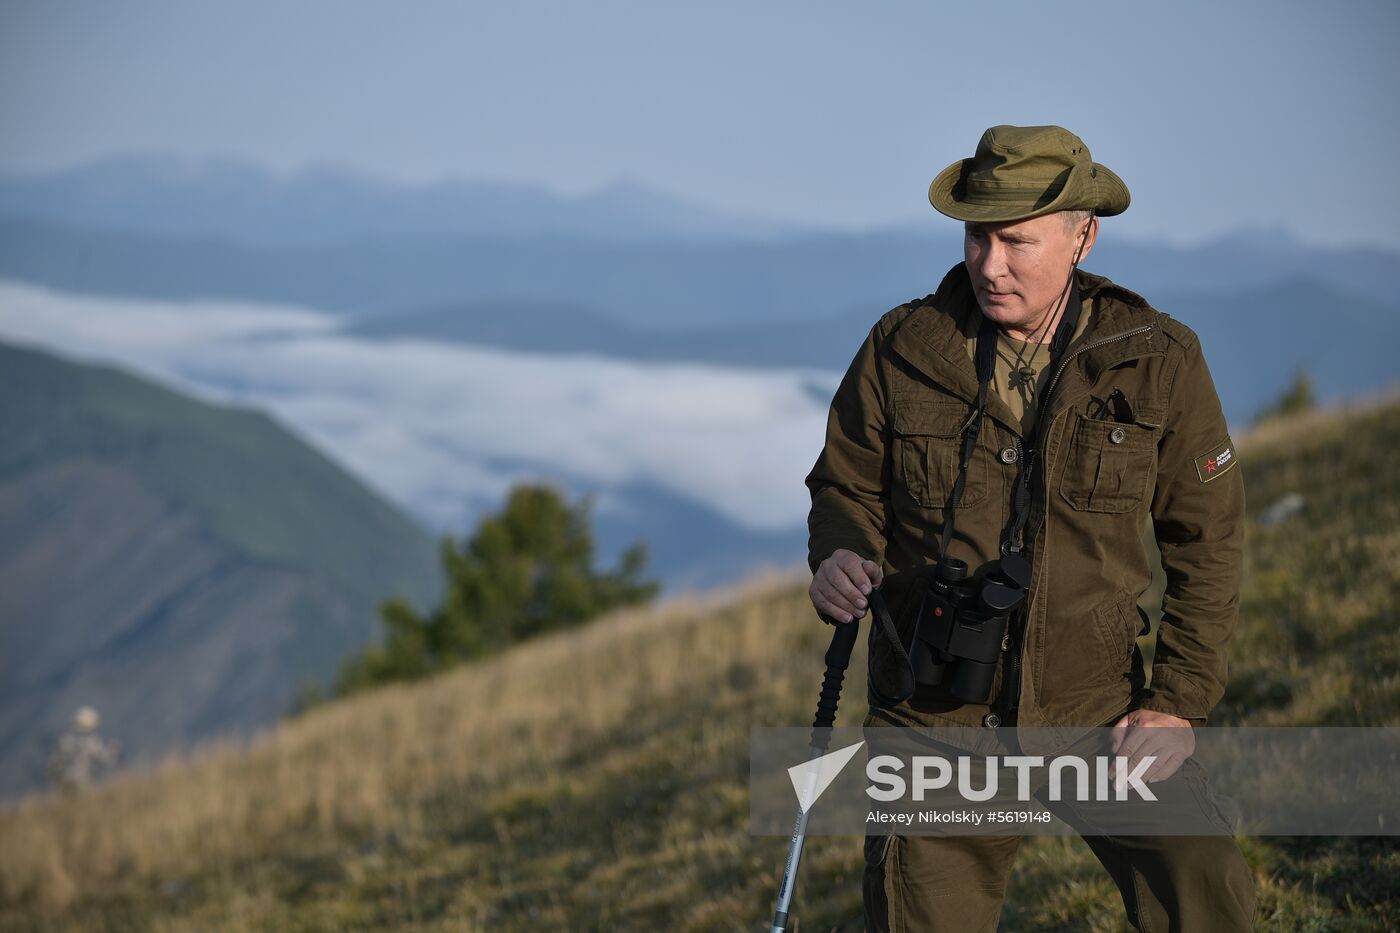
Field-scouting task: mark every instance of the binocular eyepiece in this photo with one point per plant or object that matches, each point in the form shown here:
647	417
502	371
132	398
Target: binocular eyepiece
963	624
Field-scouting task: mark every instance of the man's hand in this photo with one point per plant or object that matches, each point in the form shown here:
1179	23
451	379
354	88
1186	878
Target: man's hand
1146	732
842	583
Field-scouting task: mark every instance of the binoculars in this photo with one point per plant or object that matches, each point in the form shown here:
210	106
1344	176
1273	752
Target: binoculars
963	624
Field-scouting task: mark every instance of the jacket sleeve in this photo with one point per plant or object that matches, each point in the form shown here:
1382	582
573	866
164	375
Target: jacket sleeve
850	481
1198	517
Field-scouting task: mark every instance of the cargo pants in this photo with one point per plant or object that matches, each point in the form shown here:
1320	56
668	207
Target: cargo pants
1168	883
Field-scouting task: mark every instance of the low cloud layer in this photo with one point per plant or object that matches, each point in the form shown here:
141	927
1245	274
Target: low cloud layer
445	429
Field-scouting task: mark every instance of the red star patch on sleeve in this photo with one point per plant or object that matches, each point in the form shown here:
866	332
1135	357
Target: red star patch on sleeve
1217	461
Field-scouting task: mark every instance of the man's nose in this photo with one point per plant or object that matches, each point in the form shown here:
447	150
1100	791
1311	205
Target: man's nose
991	262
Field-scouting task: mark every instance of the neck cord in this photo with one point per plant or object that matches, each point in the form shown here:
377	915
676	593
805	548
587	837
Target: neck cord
986	367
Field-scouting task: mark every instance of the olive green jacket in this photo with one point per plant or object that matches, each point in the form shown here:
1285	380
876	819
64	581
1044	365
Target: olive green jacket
881	484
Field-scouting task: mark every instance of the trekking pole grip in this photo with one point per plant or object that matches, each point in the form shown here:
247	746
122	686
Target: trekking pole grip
838	658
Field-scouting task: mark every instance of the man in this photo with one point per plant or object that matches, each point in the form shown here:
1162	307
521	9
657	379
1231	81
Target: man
1095	412
81	753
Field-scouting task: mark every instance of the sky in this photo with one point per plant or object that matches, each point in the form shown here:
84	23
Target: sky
1218	115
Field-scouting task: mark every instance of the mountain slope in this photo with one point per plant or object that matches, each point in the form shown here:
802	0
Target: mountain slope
183	566
597	779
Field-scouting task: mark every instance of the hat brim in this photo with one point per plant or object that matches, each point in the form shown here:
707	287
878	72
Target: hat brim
1090	186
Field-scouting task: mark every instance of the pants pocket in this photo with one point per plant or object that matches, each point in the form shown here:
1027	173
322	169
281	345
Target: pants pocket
875	892
876	849
1222	811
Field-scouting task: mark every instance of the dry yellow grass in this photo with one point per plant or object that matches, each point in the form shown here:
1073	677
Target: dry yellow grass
369	763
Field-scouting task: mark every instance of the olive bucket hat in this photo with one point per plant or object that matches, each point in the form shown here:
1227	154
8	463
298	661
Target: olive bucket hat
1019	172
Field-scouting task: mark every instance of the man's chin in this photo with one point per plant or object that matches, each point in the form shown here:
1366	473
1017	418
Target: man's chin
998	312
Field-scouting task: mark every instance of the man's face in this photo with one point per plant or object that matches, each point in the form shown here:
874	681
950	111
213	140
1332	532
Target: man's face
1020	268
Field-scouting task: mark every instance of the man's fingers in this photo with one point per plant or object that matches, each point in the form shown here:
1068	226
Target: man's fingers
823	604
1166	764
831	601
1120	732
854	572
1140	741
1164	767
831	612
828	608
1130	762
842	582
836	586
1168	752
873	571
1132	745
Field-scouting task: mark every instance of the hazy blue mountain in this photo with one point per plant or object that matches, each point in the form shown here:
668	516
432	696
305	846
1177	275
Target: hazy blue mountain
658	284
556	327
1243	261
1255	339
171	196
183	566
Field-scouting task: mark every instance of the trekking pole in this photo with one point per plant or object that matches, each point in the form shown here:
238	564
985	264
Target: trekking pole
838	658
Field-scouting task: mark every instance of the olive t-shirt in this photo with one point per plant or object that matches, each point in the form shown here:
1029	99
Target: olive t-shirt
1021	393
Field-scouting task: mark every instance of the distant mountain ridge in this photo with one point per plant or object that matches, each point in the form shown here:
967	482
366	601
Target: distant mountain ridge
182	566
1295	324
240	201
660	284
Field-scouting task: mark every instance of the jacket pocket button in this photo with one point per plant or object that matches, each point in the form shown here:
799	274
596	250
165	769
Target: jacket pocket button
1008	455
1117	435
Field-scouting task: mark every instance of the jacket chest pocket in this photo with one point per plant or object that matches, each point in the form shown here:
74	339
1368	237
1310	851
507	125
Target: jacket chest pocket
1108	465
928	437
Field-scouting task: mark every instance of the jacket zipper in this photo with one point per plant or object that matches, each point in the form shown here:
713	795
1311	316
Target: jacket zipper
1055	378
1017	634
1050	393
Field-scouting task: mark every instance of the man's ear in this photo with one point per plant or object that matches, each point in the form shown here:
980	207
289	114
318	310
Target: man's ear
1091	234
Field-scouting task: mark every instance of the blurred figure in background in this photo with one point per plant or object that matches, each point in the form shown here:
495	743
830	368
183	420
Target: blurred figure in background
81	753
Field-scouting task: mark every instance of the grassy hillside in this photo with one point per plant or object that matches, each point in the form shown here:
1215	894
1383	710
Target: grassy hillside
557	787
185	566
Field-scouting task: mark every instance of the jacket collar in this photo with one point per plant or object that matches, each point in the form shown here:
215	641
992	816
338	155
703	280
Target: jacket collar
934	338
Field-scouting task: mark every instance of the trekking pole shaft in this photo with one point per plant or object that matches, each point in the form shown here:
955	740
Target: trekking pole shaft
838	658
794	858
